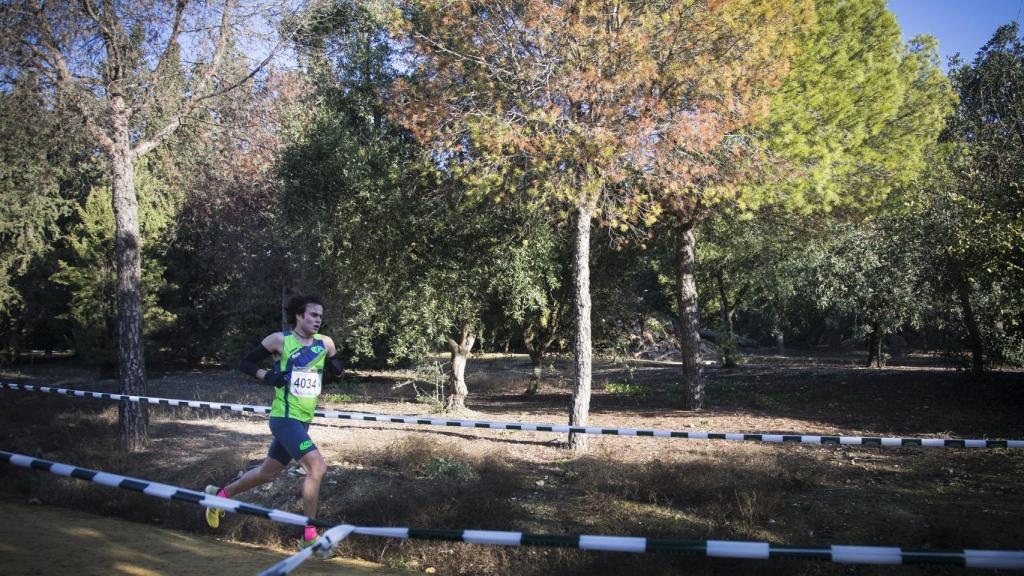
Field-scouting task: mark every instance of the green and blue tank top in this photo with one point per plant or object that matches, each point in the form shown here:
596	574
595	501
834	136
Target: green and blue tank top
300	364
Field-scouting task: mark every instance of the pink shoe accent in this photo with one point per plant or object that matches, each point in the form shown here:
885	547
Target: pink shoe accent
310	533
222	493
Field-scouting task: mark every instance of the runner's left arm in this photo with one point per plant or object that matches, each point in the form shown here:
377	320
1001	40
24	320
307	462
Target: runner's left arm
333	360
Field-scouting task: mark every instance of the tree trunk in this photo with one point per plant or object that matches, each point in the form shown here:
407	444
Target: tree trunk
286	295
875	356
133	416
584	356
537	369
12	347
457	390
727	343
973	330
777	333
689	319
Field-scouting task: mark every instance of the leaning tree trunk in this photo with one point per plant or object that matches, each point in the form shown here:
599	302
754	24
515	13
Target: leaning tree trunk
875	357
584	354
457	390
689	320
133	417
973	330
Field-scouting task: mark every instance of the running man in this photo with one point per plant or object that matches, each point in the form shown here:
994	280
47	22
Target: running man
300	355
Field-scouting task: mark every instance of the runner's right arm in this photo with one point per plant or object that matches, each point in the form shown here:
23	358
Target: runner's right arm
251	362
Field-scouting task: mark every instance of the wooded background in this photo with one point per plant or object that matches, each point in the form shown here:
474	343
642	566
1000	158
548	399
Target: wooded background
505	175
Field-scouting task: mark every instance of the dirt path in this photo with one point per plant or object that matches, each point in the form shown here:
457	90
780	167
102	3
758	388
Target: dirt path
37	539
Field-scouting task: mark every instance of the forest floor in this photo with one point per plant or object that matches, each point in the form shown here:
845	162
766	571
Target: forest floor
441	477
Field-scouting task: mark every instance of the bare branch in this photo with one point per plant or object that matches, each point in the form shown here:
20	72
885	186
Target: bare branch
109	37
65	82
158	72
145	146
198	97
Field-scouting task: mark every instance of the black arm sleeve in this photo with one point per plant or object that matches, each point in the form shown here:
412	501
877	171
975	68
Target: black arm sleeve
251	363
336	367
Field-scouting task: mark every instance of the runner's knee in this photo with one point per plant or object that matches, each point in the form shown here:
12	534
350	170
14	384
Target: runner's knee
267	472
315	465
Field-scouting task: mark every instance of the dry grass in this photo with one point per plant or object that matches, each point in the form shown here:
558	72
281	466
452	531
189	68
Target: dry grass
383	474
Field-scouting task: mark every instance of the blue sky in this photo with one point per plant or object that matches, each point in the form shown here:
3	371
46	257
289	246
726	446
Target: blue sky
959	25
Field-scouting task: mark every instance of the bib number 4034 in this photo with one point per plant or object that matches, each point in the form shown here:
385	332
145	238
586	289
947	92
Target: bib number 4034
305	383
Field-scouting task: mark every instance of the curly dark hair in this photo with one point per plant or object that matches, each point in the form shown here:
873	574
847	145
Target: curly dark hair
297	305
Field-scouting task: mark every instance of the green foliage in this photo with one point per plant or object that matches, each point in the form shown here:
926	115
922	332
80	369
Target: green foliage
851	121
34	158
439	467
868	270
631	290
90	274
765	262
626	388
987	162
970	211
404	261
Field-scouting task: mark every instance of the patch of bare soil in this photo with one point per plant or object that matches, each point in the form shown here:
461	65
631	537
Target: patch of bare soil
382	474
36	539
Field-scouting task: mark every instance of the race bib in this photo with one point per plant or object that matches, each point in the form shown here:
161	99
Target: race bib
304	383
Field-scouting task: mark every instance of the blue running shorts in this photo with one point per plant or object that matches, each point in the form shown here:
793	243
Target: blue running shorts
291	440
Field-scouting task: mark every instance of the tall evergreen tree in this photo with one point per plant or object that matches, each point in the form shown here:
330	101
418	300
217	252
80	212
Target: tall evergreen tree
40	149
852	122
106	62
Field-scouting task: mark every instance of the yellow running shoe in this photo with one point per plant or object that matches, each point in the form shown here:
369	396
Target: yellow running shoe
213	514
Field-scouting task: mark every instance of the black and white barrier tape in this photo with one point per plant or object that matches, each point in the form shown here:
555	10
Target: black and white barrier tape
1001	559
322	547
164	491
531	427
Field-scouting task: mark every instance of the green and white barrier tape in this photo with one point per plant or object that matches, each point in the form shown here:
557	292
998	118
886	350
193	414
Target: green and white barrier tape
558	428
996	559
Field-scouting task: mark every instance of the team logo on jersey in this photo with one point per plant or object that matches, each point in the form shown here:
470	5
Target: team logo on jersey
317	349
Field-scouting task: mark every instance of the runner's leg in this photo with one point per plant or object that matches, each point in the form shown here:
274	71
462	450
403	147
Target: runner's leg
265	472
315	467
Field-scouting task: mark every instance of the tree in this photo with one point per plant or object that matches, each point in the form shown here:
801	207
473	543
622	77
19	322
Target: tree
90	273
575	107
870	271
226	262
32	166
107	62
406	263
534	295
699	156
760	263
973	213
852	122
